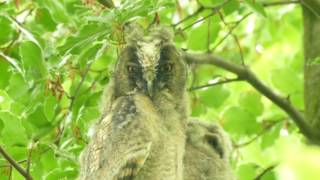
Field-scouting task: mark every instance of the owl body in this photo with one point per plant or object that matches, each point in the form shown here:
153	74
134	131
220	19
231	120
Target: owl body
207	152
141	134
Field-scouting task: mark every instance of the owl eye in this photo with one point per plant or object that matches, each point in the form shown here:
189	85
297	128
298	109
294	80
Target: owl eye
132	68
166	67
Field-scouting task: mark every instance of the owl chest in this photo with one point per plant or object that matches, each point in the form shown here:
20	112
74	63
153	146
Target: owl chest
165	161
166	158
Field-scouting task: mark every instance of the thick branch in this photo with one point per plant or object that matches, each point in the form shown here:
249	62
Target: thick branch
245	73
313	6
22	171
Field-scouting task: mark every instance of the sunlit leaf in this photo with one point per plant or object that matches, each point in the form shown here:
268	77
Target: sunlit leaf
7	32
246	171
238	120
211	3
251	101
256	6
13	133
214	96
286	80
32	59
203	36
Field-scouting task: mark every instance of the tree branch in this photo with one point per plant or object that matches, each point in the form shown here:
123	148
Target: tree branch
313	6
245	73
215	84
22	171
270	168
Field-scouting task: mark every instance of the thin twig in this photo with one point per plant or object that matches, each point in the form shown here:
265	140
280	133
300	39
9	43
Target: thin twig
14	163
270	168
8	165
235	38
190	16
73	98
29	158
214	11
231	30
265	130
215	84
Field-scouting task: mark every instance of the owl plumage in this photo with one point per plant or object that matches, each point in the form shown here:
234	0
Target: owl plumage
141	134
207	152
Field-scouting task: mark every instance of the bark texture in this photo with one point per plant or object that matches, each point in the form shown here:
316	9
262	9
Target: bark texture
312	62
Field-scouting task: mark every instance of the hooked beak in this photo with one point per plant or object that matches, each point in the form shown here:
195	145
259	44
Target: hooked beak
149	78
150	88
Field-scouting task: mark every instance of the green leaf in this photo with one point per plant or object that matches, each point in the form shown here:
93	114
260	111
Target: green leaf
4	73
103	62
38	118
94	99
58	173
251	101
256	6
5	100
271	136
211	3
48	160
247	171
89	114
203	36
7	32
13	133
231	7
18	86
238	120
44	18
88	55
286	80
214	97
270	175
1	126
56	9
49	107
88	34
32	60
17	107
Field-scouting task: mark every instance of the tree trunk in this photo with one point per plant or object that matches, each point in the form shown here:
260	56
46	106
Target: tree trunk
311	15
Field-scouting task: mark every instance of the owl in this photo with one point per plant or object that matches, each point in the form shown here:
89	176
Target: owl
207	152
141	134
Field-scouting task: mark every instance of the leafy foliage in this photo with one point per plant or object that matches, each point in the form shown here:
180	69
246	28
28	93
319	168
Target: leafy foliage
57	56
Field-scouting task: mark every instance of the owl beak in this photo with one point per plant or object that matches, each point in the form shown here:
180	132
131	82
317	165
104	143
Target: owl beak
149	78
150	88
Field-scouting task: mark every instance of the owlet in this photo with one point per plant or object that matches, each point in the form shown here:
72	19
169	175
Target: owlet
141	134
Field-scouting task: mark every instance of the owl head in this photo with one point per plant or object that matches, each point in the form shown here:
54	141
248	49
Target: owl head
209	138
149	63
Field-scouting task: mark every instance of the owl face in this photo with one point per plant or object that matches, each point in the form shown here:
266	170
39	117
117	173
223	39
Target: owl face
150	65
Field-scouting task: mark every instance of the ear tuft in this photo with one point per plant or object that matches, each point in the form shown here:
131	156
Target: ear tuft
133	32
164	33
